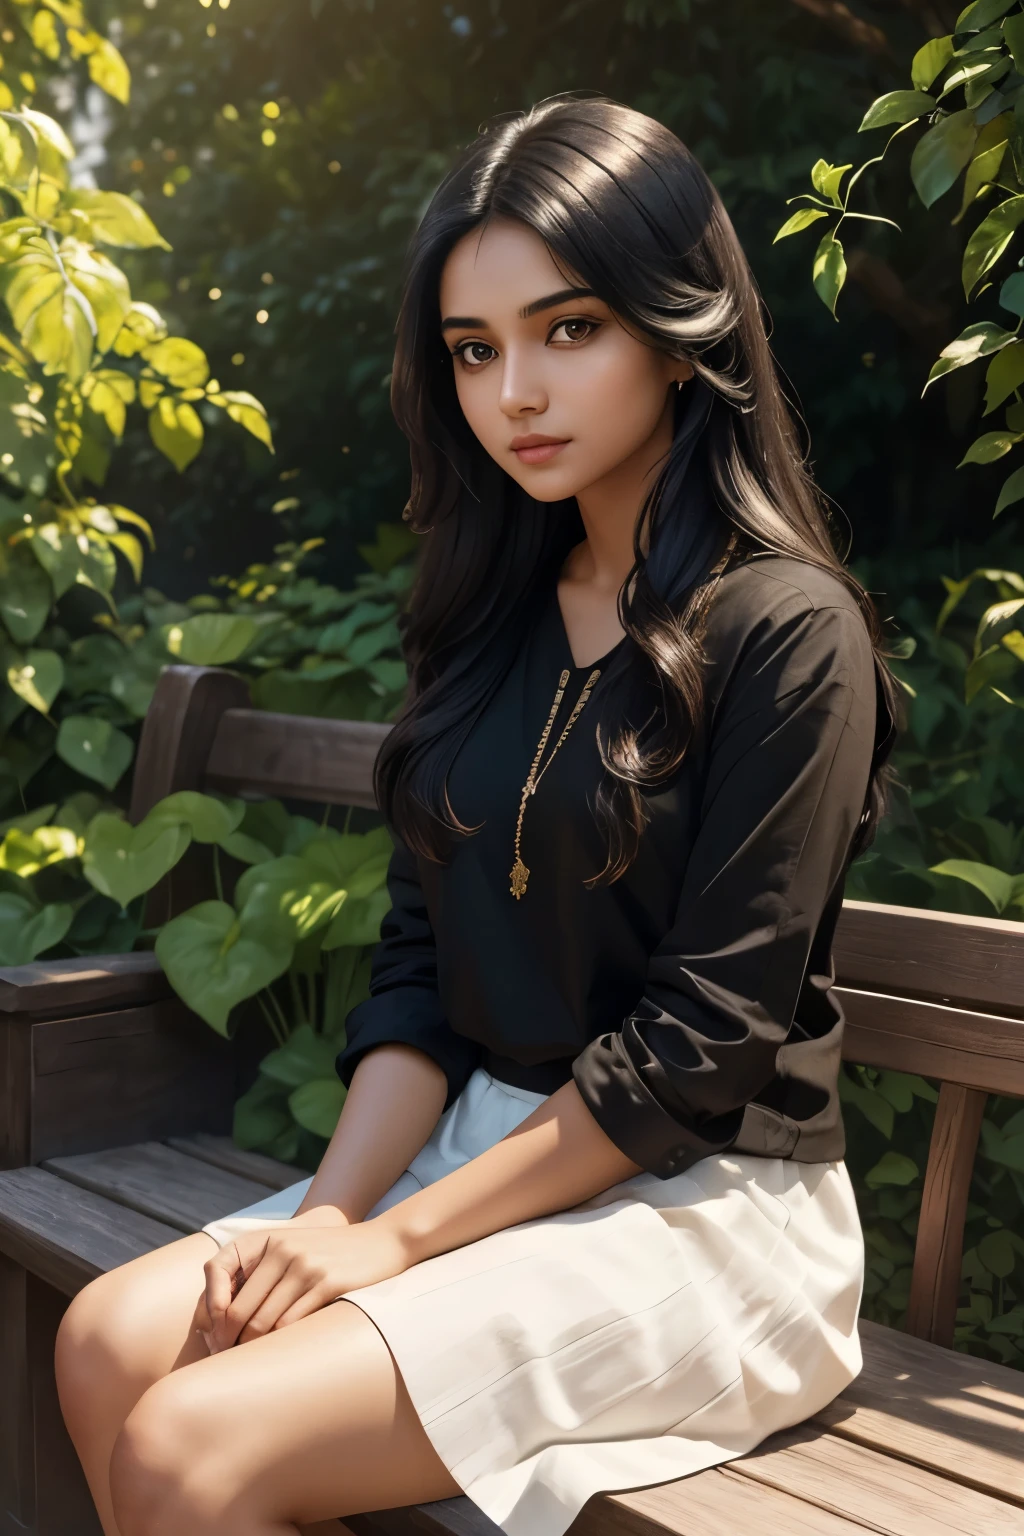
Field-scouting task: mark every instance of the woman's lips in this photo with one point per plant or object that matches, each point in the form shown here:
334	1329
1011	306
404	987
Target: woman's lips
539	453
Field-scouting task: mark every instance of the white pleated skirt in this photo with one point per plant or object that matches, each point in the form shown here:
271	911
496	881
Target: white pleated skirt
663	1327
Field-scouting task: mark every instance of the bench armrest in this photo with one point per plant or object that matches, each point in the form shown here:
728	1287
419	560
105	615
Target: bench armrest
69	988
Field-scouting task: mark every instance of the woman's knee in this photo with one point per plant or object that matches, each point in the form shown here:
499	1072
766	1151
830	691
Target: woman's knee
170	1470
125	1328
93	1340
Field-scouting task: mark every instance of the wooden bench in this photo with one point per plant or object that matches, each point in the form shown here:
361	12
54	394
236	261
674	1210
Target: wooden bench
114	1108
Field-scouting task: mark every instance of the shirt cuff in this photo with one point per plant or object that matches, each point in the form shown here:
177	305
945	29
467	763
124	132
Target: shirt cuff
408	1016
634	1119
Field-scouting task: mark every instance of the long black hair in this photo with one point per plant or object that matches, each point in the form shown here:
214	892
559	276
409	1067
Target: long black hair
624	208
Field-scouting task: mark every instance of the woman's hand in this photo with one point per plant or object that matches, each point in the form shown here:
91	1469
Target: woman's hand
269	1278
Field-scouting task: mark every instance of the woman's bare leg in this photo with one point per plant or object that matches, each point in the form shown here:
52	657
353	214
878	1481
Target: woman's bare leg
308	1424
121	1334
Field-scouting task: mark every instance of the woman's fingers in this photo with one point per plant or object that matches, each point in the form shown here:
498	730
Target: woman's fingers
292	1297
227	1270
311	1301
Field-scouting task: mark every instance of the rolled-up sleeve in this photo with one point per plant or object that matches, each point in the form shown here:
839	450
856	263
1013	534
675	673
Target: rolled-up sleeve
787	764
404	1006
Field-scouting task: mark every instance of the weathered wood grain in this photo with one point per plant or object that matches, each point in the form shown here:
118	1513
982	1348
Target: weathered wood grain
182	720
712	1503
939	1246
709	1503
65	1087
66	1235
221	1152
159	1182
970	962
896	1498
949	1412
68	987
977	1050
256	754
17	1460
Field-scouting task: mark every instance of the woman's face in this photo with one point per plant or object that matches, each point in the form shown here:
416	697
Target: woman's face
534	358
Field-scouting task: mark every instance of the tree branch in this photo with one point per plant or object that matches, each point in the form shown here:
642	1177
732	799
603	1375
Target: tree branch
842	20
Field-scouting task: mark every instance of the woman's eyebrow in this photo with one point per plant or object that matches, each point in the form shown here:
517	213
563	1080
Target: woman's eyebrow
469	322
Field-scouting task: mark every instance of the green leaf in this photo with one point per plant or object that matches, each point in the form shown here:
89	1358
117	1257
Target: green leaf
48	132
930	60
978	340
892	1168
941	154
180	362
289	893
829	271
896	107
876	1110
261	1116
1012	490
25	931
25	852
176	430
317	1105
981	14
989	241
58	554
142	325
114	219
212	639
996	886
108	70
37	679
359	921
214	959
989	447
304	1057
1013	31
94	748
1011	294
107	391
122	861
26	596
826	179
800	220
996	1252
1004	374
207	819
247	411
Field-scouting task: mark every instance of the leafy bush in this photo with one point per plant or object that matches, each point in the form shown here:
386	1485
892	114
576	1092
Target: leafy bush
76	351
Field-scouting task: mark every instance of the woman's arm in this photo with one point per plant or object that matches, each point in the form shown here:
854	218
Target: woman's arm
393	1104
267	1279
554	1159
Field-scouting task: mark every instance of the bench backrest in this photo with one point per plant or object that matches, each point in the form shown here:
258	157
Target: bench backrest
931	993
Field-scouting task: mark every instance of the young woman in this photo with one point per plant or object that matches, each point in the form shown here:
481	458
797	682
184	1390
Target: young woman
593	1108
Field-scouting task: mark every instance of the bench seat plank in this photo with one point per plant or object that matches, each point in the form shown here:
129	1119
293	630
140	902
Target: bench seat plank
66	1235
711	1503
159	1182
949	1412
222	1153
897	1498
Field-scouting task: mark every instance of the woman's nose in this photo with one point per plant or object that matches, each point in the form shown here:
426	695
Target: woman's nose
522	387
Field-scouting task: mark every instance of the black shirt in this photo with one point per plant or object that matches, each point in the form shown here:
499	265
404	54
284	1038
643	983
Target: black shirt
689	998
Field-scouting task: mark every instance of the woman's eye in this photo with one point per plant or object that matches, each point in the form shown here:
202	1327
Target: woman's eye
576	329
468	353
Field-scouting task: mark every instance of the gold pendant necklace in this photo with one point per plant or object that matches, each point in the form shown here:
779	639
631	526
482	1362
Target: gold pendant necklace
519	874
